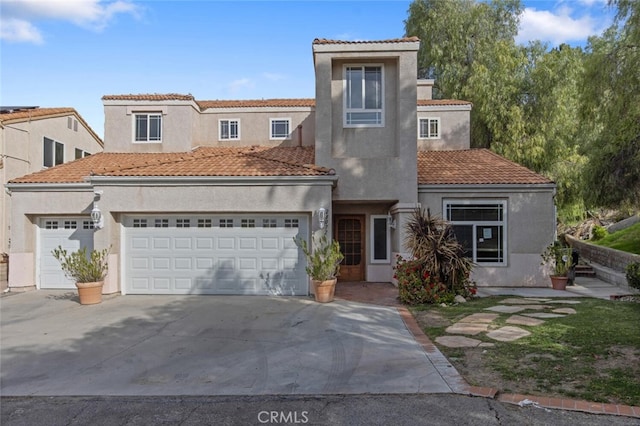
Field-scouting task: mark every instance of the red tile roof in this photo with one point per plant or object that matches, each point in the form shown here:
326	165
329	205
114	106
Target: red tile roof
43	113
437	102
205	161
149	97
394	40
257	103
472	166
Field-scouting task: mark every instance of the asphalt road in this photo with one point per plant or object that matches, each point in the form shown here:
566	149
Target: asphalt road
353	410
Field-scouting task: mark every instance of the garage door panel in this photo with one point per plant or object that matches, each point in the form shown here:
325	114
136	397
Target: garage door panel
71	234
215	260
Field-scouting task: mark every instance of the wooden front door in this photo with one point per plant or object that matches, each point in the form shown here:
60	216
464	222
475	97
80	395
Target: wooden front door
349	231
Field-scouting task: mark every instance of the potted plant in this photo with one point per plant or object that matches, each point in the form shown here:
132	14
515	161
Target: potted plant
87	269
558	258
323	266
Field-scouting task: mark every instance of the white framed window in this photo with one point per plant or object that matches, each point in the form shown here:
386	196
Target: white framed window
162	223
53	152
147	127
364	95
81	153
229	129
380	237
139	223
480	225
279	128
205	223
247	223
291	223
428	128
269	223
225	223
183	223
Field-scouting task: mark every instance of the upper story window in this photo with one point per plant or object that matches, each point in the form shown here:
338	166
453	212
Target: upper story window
229	130
429	128
364	96
148	127
81	153
53	153
280	128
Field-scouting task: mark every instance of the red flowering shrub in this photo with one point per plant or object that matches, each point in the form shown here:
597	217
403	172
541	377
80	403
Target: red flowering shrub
416	285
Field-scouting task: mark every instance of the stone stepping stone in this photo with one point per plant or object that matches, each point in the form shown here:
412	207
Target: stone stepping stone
458	341
482	317
520	320
508	334
467	328
565	302
544	315
523	301
486	345
504	309
564	311
535	307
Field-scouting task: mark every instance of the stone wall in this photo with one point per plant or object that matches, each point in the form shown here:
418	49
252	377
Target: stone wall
611	258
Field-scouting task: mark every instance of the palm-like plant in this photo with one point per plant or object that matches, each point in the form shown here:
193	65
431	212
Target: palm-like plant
431	240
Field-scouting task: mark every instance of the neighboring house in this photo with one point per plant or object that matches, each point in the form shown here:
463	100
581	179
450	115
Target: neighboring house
33	139
205	197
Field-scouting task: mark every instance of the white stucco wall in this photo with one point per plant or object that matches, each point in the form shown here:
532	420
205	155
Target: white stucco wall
121	198
530	228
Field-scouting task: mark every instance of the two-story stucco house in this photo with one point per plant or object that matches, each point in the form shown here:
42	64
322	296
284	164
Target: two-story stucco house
34	139
205	197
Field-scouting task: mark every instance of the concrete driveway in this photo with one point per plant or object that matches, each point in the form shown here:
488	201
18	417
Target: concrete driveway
206	345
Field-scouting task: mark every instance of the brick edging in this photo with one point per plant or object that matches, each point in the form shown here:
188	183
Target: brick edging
459	385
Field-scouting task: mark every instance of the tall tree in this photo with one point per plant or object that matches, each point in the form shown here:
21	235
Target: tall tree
611	111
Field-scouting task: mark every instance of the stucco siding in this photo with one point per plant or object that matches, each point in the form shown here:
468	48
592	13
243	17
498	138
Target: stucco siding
455	130
530	226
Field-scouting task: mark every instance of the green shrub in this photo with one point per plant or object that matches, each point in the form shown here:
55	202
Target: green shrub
81	266
633	275
598	232
323	262
417	286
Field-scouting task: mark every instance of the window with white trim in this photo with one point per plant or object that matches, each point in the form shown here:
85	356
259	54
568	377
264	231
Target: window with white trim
380	237
291	223
81	153
269	223
247	223
205	223
53	152
363	96
429	128
147	127
225	223
279	128
183	223
481	227
162	223
229	130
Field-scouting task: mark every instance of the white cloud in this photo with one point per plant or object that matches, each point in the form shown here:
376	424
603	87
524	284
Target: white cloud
240	84
17	30
18	15
274	76
559	26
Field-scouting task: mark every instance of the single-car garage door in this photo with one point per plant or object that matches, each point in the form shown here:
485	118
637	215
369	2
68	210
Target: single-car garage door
215	254
72	233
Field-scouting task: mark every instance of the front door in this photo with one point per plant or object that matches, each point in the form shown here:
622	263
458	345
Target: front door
349	231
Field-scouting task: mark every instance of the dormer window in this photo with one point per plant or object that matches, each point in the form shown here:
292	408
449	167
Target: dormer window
364	96
148	127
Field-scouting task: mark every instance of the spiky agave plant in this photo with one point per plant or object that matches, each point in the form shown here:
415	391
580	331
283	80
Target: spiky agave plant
431	240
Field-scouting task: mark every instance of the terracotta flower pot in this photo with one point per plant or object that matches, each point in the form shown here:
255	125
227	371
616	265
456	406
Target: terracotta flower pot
324	290
90	293
559	282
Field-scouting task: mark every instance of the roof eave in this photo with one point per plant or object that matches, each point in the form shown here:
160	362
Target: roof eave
212	180
486	187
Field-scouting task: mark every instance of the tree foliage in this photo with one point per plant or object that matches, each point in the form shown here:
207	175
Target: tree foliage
570	114
611	112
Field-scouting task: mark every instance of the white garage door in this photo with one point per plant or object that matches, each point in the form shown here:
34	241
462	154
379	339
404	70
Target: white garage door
215	254
70	233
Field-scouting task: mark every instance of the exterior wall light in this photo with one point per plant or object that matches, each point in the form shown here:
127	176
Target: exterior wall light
323	214
96	214
391	221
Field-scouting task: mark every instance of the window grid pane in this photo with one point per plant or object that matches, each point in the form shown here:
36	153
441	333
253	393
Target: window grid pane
248	223
204	223
226	223
162	223
291	223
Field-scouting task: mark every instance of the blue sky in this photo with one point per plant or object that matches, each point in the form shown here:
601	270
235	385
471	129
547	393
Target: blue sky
69	53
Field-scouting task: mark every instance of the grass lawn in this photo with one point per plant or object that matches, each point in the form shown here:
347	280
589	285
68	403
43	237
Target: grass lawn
592	355
626	240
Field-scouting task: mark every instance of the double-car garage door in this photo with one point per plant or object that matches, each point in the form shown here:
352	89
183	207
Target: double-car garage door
214	254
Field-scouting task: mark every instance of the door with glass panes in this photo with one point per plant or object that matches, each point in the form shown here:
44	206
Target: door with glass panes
349	232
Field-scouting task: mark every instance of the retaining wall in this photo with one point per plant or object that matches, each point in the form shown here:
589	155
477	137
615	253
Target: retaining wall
611	258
